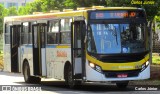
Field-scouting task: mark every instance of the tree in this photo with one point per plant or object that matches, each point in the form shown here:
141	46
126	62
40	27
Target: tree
48	5
52	5
12	11
41	6
6	12
157	19
3	13
31	7
70	4
151	9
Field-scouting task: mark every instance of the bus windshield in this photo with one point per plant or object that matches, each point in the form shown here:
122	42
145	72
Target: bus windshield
116	38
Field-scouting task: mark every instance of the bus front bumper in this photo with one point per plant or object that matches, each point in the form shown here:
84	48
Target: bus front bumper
93	75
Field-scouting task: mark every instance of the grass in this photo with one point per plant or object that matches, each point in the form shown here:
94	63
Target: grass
155	58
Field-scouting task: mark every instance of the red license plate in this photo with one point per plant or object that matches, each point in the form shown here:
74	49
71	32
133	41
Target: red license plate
122	75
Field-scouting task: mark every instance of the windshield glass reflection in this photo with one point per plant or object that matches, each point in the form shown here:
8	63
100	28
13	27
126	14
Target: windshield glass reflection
116	38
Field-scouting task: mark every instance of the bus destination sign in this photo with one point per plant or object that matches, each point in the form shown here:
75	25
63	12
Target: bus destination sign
116	14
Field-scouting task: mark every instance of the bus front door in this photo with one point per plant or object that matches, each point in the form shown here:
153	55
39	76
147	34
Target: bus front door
78	54
39	51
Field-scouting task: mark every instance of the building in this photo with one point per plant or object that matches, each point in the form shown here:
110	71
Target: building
16	3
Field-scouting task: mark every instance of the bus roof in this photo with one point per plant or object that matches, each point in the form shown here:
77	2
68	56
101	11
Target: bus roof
72	13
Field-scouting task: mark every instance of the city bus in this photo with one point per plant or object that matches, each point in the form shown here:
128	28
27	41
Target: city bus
93	44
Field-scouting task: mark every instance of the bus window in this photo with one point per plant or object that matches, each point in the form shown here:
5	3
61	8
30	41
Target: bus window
29	34
65	37
65	31
52	34
7	34
24	34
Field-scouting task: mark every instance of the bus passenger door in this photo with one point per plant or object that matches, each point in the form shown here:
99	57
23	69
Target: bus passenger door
15	43
39	51
78	55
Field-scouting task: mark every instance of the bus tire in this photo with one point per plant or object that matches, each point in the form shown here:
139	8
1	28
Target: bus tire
35	80
26	72
27	77
71	82
122	84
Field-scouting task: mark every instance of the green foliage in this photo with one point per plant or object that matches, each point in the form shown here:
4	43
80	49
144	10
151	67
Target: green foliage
25	10
30	8
118	3
12	11
48	5
157	19
41	6
151	9
6	12
3	13
70	4
36	6
156	59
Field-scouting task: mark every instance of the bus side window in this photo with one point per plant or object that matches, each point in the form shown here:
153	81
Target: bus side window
52	34
29	34
7	34
24	33
65	31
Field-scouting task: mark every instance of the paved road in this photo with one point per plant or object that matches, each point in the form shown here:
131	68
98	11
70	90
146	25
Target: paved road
51	86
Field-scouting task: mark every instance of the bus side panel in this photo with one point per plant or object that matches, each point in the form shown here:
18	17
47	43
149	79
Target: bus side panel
6	48
27	53
30	58
62	55
50	61
19	59
56	58
7	57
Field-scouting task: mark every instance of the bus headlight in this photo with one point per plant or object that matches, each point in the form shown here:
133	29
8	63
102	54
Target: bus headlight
92	65
144	66
95	67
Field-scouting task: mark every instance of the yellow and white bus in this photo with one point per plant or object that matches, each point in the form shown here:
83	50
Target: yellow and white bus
96	44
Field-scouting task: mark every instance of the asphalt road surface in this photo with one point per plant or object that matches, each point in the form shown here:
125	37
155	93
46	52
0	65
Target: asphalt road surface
15	81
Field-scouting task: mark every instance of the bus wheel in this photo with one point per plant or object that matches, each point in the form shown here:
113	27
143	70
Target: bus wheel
71	82
26	73
27	77
35	80
122	84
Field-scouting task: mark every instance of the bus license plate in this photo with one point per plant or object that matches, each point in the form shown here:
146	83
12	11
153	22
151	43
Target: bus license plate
122	75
